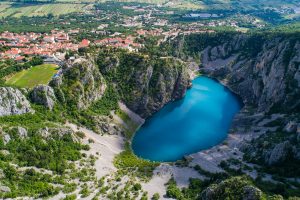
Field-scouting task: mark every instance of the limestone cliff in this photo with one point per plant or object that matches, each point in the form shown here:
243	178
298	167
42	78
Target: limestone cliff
267	79
263	70
43	95
80	84
13	102
145	84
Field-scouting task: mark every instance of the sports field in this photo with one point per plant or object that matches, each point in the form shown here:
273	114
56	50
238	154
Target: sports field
34	76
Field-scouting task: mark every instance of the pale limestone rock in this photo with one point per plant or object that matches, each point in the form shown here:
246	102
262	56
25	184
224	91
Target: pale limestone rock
13	102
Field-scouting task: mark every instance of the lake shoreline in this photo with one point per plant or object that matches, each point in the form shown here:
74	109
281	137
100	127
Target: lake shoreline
214	95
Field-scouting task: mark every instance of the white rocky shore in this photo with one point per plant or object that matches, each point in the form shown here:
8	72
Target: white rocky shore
108	146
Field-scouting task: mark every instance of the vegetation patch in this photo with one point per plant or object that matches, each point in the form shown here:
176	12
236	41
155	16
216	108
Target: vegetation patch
126	161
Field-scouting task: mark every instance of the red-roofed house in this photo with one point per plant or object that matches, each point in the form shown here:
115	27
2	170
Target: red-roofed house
84	43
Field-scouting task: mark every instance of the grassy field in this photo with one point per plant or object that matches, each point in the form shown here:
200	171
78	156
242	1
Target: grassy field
40	74
18	10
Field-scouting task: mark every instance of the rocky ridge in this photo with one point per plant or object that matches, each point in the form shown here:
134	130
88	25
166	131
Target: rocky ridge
43	95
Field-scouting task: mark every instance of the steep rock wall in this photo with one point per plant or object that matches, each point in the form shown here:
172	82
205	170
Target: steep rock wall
263	70
80	84
13	102
145	84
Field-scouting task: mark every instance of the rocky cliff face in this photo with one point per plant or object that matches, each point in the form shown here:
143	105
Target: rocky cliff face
280	148
263	70
80	85
266	77
145	84
153	89
13	102
43	95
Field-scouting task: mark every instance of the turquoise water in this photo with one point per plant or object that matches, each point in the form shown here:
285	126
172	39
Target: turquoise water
198	121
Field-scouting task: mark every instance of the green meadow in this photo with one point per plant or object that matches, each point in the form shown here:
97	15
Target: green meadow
34	76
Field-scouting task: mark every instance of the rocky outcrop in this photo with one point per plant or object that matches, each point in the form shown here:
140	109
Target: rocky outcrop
43	95
13	132
263	70
251	193
13	102
233	188
54	132
22	132
278	154
291	127
106	125
4	189
48	132
6	138
80	85
156	88
265	77
275	148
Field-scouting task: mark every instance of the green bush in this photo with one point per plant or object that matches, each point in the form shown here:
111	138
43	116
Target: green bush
126	160
155	196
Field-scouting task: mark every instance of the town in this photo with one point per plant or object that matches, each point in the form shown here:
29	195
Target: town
100	27
55	44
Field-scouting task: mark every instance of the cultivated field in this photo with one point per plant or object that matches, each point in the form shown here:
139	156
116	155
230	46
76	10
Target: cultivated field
8	9
18	10
34	76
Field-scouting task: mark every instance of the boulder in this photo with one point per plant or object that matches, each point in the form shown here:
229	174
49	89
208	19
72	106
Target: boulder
105	125
4	189
43	95
13	102
209	193
251	193
47	132
279	153
6	138
60	131
22	132
4	152
291	127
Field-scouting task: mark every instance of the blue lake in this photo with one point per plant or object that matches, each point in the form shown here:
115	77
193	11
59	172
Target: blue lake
198	121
